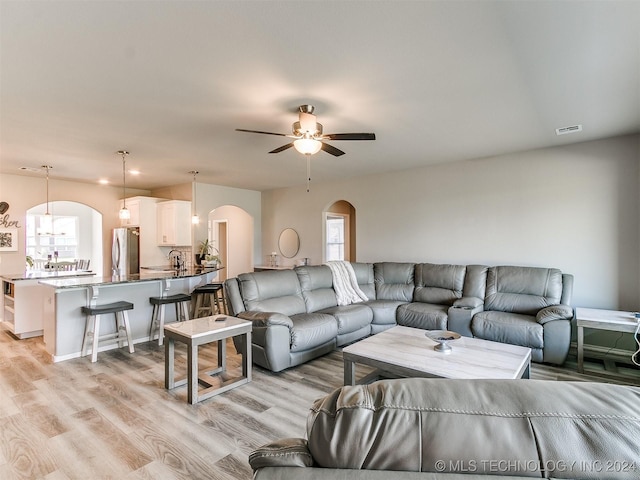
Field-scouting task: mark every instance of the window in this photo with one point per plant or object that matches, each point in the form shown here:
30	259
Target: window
47	234
335	237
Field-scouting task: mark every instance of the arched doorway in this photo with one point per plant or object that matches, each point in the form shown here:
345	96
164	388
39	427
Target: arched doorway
71	229
231	233
339	232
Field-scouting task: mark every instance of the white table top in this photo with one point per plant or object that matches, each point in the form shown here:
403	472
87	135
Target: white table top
606	319
203	326
409	348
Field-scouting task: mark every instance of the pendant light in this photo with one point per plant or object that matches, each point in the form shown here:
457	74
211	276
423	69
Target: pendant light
124	214
195	219
46	228
47	168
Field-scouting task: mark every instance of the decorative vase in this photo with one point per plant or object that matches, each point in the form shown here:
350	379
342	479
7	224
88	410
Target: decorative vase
199	258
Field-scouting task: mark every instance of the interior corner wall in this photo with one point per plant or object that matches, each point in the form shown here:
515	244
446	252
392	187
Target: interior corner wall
209	197
174	192
572	207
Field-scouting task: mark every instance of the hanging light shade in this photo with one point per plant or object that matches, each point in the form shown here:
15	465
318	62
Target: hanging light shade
307	146
124	213
195	219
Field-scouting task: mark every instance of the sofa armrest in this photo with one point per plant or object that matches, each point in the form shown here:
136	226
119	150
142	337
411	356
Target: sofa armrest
288	452
461	313
468	302
266	319
554	312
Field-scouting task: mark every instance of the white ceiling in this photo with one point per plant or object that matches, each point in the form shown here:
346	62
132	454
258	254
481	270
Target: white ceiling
437	81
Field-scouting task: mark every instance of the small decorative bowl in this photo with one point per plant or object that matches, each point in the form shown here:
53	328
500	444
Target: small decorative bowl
442	337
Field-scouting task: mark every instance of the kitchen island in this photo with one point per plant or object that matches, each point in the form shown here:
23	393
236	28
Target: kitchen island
64	321
22	303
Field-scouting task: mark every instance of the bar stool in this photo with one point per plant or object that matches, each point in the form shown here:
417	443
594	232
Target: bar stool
157	317
209	299
92	327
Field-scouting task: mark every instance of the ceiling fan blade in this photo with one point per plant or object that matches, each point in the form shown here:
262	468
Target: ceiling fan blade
282	148
331	149
264	133
350	136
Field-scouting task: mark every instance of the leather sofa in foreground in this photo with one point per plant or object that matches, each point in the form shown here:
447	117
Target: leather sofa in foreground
461	430
296	316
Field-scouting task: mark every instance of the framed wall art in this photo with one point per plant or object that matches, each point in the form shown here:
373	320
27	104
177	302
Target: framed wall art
8	239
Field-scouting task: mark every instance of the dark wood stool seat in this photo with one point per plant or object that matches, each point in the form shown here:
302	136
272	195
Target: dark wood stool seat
209	300
92	326
180	300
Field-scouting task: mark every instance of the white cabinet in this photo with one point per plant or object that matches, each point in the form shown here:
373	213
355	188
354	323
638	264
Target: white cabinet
174	223
133	205
23	306
144	215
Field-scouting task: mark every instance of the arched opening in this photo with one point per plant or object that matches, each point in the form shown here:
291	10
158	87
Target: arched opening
71	231
230	231
339	230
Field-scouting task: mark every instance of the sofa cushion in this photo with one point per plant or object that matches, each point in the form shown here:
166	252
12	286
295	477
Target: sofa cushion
350	317
394	281
384	311
422	315
272	291
364	276
513	328
434	425
316	283
311	330
522	289
439	284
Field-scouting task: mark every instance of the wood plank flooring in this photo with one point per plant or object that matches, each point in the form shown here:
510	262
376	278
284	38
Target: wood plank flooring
115	420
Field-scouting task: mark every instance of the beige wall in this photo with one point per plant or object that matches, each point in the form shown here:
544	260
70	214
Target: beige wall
574	208
23	193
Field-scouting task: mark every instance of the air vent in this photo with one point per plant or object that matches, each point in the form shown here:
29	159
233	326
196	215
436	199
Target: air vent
571	129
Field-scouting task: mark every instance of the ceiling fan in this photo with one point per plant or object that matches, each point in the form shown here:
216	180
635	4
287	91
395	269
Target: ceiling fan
308	135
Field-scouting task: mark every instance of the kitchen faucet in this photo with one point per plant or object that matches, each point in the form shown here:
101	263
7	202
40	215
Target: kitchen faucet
178	260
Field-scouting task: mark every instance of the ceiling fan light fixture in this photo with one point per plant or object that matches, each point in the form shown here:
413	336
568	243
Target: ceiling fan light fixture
307	146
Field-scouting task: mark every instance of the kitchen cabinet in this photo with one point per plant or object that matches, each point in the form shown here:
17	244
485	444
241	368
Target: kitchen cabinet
174	223
144	215
133	205
23	304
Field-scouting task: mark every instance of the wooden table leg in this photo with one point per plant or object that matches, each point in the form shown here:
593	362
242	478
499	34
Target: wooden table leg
349	373
222	355
169	363
246	357
580	349
192	373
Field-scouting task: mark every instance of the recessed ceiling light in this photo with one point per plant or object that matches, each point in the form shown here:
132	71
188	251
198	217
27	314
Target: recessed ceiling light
134	172
103	181
570	129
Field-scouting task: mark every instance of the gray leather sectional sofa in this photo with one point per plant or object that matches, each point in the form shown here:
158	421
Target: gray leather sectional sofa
296	317
431	429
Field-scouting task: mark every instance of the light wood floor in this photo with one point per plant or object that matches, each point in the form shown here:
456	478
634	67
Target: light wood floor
114	419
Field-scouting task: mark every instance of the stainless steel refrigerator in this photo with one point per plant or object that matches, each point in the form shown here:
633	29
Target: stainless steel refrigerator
125	251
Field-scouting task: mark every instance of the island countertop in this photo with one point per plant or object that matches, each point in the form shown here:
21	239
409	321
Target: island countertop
76	282
42	274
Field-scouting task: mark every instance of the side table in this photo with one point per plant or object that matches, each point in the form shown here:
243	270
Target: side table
602	320
202	331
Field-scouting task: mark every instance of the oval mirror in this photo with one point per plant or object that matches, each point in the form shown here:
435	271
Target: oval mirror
289	243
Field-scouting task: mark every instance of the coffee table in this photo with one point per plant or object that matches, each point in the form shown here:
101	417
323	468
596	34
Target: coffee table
407	352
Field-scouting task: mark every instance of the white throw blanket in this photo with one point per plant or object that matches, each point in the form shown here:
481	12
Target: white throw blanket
345	283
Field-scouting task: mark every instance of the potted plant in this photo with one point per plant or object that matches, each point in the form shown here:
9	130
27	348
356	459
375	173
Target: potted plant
204	248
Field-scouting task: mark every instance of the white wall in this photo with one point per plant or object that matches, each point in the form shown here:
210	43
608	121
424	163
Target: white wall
574	208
